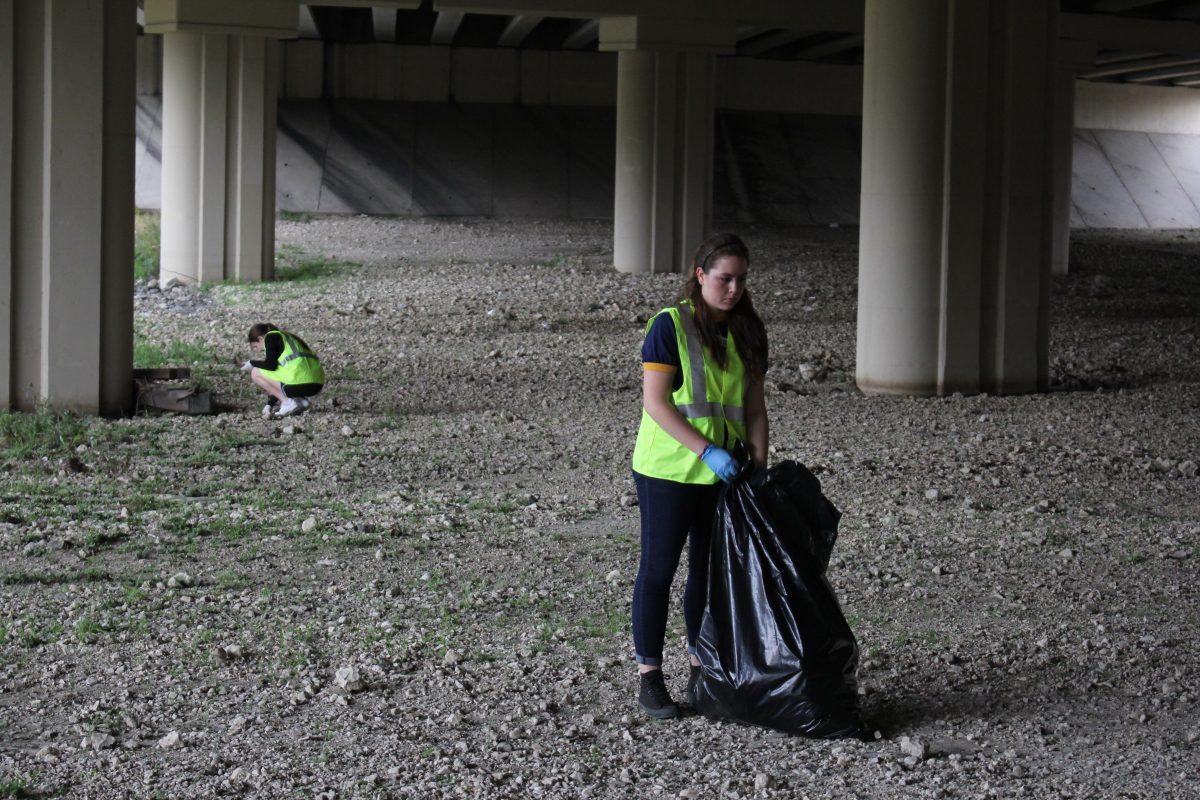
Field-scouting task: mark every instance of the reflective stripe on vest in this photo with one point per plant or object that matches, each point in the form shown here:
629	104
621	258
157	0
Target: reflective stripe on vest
292	343
698	409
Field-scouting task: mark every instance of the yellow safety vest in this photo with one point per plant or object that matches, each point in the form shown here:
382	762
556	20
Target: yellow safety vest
710	398
297	363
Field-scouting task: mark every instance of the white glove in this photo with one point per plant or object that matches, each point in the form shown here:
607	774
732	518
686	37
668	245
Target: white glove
247	367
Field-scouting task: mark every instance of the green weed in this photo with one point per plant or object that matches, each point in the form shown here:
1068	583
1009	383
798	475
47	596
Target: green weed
15	788
295	216
232	580
87	630
89	575
149	355
39	433
295	265
97	539
145	245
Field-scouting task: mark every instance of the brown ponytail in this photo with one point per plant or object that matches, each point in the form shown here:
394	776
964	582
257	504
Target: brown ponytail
746	327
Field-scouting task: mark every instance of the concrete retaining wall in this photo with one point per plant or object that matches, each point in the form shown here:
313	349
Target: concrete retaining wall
353	156
367	157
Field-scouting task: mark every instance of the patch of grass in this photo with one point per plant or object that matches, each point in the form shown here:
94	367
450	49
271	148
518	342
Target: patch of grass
87	630
232	580
133	595
16	788
31	634
90	575
96	539
145	245
149	355
295	265
295	216
39	433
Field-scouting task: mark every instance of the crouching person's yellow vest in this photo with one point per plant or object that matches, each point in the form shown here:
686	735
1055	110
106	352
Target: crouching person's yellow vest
297	363
710	398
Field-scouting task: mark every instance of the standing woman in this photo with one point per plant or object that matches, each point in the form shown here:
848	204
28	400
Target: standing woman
704	359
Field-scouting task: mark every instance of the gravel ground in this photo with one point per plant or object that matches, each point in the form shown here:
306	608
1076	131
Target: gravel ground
421	587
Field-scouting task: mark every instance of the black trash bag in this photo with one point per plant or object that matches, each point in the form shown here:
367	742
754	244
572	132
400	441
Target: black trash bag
774	647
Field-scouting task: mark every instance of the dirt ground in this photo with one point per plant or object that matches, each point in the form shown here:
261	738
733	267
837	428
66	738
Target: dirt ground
421	587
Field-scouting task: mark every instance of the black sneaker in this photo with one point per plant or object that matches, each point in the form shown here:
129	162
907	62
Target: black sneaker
693	679
654	698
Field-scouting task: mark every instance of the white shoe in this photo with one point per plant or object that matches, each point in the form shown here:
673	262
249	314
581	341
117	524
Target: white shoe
287	408
267	409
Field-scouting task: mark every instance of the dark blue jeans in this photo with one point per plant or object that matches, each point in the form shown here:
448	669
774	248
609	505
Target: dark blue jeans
672	514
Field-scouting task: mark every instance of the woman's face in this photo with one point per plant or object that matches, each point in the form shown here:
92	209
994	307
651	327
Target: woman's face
257	344
722	286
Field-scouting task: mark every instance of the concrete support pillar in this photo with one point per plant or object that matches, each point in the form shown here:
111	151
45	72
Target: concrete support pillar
218	200
219	106
955	224
1073	56
67	79
665	100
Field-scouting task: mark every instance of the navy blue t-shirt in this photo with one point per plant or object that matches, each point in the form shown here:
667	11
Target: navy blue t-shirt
661	347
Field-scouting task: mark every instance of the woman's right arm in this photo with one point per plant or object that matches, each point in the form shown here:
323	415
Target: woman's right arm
656	394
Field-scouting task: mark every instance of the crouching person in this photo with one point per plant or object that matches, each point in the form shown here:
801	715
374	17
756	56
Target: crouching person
289	371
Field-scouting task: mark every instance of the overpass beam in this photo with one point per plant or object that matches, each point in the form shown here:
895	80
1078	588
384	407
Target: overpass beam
67	79
218	153
955	224
665	99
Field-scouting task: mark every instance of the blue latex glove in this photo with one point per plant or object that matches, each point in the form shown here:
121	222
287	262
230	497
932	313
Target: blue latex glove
720	462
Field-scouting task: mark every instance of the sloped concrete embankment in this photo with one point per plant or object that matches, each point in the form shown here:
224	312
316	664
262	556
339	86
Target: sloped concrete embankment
434	159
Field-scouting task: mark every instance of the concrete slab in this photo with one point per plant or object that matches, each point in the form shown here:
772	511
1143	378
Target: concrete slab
1097	191
1181	152
592	162
453	160
369	160
147	153
302	137
754	177
530	176
827	155
521	161
1148	179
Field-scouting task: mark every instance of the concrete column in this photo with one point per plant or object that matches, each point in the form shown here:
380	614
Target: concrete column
663	197
1073	56
696	118
67	78
7	96
633	212
218	205
220	81
955	233
665	100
